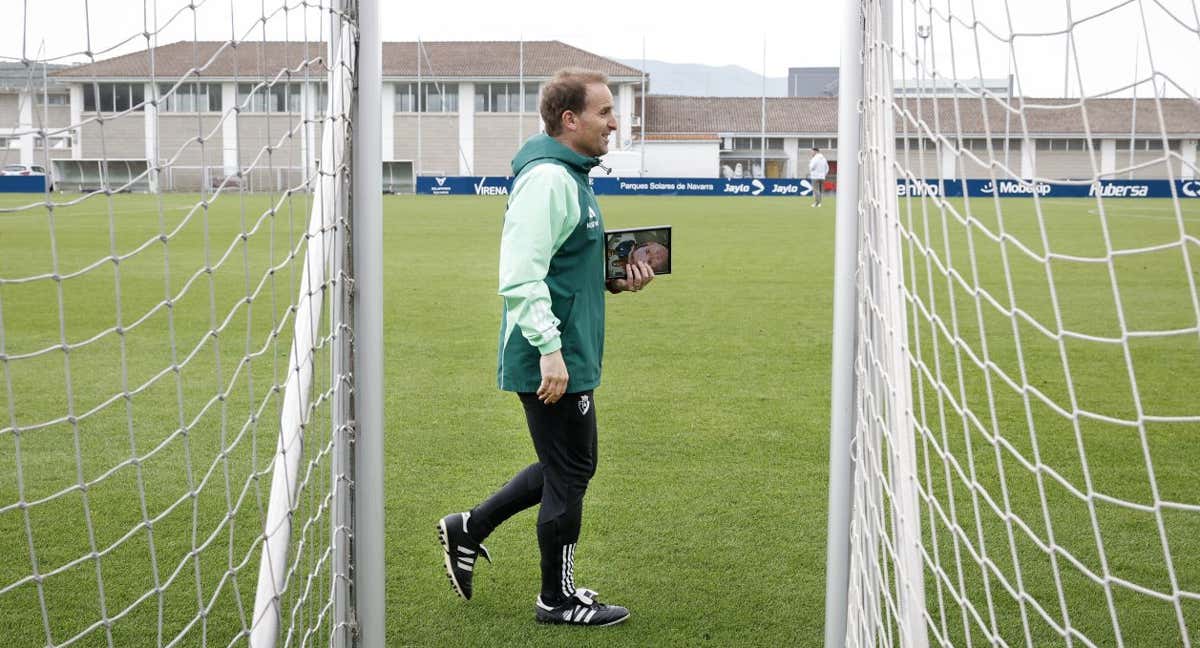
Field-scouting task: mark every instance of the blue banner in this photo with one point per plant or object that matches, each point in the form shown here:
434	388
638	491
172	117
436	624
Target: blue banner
463	185
1027	189
702	186
22	184
605	186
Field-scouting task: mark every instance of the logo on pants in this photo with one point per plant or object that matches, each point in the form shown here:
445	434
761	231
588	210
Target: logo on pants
584	404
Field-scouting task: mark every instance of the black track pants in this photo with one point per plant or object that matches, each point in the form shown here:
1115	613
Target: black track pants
564	436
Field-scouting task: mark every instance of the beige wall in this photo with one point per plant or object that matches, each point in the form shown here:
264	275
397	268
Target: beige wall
497	138
8	110
58	116
1157	170
969	168
256	132
439	142
1065	165
174	131
921	163
118	138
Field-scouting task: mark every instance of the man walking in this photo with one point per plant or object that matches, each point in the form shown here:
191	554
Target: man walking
551	344
818	168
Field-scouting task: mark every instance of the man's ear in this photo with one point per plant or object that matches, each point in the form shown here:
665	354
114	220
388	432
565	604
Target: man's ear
570	120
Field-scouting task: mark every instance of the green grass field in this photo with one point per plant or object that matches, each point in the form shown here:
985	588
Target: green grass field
707	514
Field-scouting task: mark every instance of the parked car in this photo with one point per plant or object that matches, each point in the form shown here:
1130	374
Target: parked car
27	170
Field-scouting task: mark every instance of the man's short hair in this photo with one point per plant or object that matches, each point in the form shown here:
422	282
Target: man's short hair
566	91
816	150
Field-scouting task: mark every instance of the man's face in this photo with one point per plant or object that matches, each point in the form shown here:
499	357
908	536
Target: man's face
593	126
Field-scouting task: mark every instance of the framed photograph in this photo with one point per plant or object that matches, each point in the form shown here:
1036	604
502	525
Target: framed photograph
649	244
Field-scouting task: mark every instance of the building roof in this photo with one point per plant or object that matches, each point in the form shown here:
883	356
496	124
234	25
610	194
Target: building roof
19	76
477	59
680	137
818	115
1098	116
678	114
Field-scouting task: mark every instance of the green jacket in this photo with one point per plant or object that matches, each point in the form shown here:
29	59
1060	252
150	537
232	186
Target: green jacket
551	268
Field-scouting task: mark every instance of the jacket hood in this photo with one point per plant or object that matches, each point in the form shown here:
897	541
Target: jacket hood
542	146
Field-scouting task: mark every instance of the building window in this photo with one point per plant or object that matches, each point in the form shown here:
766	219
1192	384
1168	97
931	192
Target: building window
56	99
505	97
436	97
112	97
1070	144
440	98
276	98
823	143
406	97
190	97
915	144
755	143
53	142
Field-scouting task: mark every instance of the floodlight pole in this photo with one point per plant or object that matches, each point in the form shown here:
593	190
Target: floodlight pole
367	241
841	417
642	117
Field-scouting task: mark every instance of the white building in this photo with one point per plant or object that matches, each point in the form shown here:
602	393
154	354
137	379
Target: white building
250	115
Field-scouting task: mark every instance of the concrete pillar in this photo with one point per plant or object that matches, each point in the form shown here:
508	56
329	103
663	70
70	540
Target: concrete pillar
791	147
76	118
25	125
150	129
1108	157
948	162
1187	169
541	124
625	109
229	129
387	100
309	95
466	128
1028	158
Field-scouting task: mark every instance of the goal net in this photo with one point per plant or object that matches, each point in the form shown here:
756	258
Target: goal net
176	326
1026	356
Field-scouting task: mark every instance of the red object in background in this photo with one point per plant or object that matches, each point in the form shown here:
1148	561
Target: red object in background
831	180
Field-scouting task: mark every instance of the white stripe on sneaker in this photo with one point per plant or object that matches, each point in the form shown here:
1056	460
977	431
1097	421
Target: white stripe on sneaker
465	550
588	618
579	612
463	565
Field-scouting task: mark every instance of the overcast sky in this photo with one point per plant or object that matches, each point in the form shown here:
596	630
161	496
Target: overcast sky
795	33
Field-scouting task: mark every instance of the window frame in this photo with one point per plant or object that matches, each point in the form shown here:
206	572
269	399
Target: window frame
190	93
107	97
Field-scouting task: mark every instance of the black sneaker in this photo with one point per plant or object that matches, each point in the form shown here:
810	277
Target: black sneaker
461	552
581	609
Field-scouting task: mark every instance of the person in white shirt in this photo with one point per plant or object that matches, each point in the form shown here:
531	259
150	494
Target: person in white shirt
818	168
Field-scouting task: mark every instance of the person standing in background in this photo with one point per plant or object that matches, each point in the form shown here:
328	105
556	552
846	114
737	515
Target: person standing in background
818	168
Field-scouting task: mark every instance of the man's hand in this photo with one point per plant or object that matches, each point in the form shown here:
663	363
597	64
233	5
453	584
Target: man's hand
554	378
637	275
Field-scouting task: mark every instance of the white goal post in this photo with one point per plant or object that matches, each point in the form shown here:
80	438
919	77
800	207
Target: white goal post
1014	427
191	330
